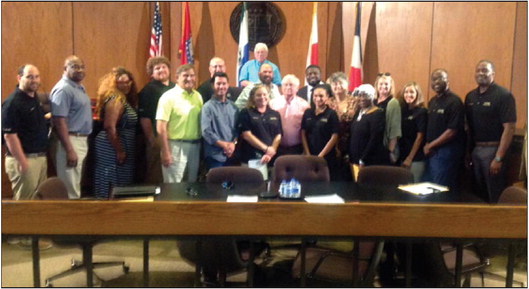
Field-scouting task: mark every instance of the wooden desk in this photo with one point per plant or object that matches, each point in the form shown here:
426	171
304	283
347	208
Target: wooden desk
175	213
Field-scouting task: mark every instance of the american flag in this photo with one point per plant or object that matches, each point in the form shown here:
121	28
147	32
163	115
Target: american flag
156	33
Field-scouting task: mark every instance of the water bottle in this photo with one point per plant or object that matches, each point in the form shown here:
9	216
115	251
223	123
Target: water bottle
283	189
295	188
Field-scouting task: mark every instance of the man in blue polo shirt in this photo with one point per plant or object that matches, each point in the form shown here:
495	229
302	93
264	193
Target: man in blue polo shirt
72	118
249	73
25	131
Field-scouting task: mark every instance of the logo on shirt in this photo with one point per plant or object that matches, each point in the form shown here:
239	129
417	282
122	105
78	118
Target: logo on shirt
440	111
487	103
324	119
410	117
273	118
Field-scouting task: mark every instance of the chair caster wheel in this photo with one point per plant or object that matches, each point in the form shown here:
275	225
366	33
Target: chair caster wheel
48	284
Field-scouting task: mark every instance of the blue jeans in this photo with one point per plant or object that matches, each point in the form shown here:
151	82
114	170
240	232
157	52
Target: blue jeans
212	163
443	166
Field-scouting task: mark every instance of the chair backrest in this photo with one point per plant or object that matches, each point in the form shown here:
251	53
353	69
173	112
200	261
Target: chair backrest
52	189
513	195
384	176
234	174
301	167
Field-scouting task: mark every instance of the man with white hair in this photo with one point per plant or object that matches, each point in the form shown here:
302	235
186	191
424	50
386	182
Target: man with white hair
249	73
216	64
291	108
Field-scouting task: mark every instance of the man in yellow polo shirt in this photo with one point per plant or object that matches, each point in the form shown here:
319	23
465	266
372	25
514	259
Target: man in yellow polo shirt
178	126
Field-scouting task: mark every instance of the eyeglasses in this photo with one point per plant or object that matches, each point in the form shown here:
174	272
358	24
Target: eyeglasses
124	82
384	74
76	67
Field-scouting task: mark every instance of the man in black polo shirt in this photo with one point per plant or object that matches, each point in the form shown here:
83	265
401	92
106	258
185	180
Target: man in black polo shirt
445	139
25	131
158	69
491	117
216	64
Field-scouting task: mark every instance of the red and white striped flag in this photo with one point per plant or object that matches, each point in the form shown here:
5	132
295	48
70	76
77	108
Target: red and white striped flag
156	33
312	55
186	45
355	74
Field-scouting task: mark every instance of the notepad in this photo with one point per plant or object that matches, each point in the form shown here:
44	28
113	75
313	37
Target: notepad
241	199
425	188
325	199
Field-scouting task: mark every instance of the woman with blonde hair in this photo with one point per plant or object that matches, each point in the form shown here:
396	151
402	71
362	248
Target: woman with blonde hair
115	143
414	121
385	99
260	127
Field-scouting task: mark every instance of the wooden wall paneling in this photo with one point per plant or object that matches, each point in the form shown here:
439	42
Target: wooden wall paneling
464	33
118	35
403	42
290	54
37	33
332	39
175	10
519	70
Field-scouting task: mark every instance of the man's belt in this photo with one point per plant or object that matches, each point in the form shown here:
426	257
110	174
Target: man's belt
31	155
487	143
78	134
187	140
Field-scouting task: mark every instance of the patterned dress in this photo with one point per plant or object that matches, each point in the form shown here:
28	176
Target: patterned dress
108	173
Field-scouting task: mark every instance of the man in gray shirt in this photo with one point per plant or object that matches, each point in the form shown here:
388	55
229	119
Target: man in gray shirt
218	124
72	118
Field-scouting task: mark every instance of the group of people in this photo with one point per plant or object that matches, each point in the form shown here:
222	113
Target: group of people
264	116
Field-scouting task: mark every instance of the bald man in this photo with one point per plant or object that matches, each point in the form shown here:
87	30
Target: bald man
216	64
266	75
72	119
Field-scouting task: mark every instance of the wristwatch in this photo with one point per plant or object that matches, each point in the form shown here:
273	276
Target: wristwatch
498	159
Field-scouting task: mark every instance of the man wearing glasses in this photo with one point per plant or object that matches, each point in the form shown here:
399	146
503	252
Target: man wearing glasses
72	120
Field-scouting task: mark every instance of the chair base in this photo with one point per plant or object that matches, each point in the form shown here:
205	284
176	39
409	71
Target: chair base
77	266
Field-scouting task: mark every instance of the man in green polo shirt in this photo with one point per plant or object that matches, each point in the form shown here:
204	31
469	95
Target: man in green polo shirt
178	127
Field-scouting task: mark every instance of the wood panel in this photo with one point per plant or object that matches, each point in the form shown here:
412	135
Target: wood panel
36	33
464	33
221	218
119	37
519	70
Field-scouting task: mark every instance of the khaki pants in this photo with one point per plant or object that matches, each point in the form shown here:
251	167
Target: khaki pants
25	185
71	176
186	157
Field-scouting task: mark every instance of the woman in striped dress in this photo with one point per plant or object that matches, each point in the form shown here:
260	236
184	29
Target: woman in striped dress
115	144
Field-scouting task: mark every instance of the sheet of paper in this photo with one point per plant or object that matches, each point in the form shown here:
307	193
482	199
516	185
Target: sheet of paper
137	199
325	199
256	164
241	199
425	188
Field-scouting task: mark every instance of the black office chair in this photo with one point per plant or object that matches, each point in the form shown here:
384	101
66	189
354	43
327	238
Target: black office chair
54	189
223	255
302	168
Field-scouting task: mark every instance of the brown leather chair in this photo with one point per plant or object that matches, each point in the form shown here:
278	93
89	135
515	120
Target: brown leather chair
302	168
384	176
222	255
54	189
234	174
513	195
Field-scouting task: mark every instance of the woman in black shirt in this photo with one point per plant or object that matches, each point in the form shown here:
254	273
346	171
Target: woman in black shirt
260	127
414	119
367	131
320	127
